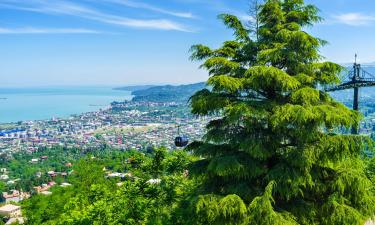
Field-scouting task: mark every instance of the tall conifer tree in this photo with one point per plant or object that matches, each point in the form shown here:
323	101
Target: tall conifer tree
272	155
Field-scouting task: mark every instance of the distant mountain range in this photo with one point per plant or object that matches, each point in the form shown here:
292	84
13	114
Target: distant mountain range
134	88
164	93
371	64
370	68
168	93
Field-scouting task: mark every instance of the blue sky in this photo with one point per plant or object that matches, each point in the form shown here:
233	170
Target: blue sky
122	42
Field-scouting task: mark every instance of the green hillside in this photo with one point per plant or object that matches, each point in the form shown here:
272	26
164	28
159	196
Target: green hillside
134	88
167	93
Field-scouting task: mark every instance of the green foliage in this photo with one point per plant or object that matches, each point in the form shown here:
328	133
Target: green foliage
87	173
371	169
272	155
95	199
2	187
240	32
21	168
25	172
227	210
41	208
157	165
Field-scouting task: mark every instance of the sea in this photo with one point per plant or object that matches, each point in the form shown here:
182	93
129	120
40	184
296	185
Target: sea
27	104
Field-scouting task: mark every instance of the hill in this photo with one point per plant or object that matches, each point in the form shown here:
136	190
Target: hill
167	93
133	88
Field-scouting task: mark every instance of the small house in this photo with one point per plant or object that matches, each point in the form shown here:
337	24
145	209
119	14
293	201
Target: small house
10	210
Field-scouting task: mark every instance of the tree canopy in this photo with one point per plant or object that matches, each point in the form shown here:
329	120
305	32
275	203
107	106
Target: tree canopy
148	195
273	155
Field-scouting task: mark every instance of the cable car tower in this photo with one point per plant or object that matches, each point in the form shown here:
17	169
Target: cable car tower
357	78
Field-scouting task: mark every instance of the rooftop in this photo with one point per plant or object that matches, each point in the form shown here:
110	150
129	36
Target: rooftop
18	220
9	208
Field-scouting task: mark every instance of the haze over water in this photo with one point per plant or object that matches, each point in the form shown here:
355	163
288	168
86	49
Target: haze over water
20	104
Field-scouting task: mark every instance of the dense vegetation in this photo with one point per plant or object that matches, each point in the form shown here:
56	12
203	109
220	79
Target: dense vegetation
139	198
274	156
20	167
28	174
95	199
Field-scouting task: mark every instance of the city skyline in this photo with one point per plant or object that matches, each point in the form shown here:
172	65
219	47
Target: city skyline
129	42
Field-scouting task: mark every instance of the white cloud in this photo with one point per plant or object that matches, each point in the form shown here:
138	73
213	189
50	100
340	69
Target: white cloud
32	30
245	18
146	6
69	8
354	19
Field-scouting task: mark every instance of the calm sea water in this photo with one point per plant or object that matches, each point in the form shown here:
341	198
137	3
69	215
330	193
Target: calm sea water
20	104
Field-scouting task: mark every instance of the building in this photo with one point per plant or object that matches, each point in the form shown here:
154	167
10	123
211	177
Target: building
10	210
17	220
44	187
15	196
34	160
13	212
4	177
154	181
65	184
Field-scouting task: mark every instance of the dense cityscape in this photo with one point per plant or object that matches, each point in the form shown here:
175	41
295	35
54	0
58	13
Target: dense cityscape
123	125
126	125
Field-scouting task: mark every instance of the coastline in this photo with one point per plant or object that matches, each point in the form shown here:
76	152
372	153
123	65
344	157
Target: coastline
36	104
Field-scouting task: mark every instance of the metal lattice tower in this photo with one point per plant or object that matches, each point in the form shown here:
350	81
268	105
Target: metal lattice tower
356	79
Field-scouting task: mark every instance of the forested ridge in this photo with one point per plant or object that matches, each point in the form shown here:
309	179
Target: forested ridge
274	154
167	93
